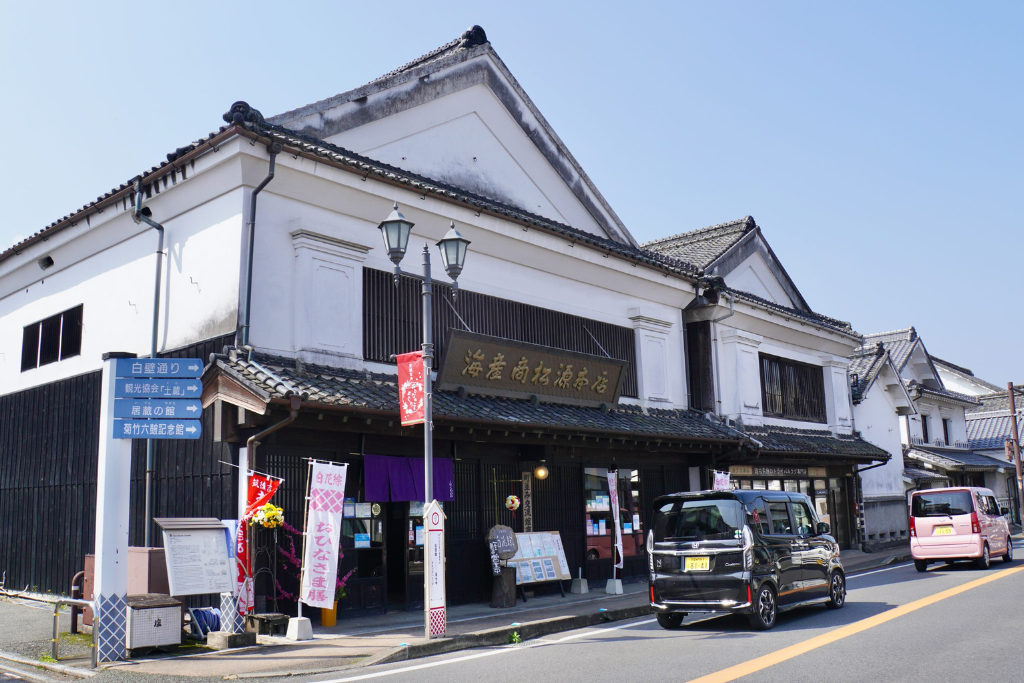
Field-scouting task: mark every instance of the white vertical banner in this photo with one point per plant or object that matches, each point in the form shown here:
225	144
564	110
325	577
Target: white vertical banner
437	620
323	533
722	481
613	493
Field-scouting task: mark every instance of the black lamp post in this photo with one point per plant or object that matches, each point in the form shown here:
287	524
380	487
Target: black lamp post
395	230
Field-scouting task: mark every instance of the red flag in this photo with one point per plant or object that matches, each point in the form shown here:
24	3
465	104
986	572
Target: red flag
261	490
410	388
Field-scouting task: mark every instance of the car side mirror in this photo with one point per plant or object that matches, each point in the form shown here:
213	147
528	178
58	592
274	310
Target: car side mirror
824	528
1004	511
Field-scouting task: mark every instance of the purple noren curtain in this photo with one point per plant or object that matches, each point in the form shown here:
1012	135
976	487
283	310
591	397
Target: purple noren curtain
398	479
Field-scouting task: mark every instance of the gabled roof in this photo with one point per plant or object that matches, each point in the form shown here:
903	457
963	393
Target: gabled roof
899	343
704	246
966	373
417	82
866	363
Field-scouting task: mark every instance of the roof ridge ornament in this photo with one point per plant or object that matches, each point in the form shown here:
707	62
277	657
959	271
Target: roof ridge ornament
242	113
473	36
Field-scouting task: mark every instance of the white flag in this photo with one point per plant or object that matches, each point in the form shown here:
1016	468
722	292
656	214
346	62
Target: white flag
323	532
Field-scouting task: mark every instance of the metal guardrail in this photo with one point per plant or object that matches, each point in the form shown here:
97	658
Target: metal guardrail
57	603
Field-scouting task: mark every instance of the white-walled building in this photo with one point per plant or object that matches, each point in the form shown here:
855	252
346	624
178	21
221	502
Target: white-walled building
552	273
988	428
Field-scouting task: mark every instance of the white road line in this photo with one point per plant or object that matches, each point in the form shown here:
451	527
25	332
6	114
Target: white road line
488	653
879	571
24	675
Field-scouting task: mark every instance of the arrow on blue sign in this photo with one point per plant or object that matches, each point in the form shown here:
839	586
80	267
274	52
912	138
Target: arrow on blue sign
159	367
157	388
157	429
158	407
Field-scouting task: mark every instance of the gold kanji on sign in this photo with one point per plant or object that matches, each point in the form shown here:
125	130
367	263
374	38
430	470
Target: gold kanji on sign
581	380
564	380
601	383
495	368
473	363
540	374
521	372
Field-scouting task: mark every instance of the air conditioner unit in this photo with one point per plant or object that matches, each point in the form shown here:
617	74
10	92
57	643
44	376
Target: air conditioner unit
154	620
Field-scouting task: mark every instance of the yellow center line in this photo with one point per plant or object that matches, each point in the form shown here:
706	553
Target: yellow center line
773	658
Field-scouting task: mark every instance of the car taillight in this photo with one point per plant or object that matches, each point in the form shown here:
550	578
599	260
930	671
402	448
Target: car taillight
748	592
975	529
913	528
652	592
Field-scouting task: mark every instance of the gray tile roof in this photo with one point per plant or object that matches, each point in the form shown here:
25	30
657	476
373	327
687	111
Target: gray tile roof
274	378
790	440
918	474
899	344
965	372
954	459
1000	401
704	246
866	362
989	430
945	393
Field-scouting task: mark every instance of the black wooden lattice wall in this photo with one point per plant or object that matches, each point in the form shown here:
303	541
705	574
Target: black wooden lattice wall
393	323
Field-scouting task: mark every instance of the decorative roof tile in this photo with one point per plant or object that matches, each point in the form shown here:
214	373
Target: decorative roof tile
989	430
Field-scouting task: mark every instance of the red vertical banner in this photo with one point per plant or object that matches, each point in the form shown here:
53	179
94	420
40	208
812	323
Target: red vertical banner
261	489
411	405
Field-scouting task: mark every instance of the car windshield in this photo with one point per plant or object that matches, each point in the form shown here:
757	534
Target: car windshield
941	504
699	520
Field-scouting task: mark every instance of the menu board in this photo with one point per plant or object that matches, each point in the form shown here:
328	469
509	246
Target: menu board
198	562
541	557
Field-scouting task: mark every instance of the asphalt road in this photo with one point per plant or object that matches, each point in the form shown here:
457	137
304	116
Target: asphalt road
951	623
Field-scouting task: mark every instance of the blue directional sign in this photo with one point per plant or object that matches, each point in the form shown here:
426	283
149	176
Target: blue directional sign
159	367
157	429
161	408
157	388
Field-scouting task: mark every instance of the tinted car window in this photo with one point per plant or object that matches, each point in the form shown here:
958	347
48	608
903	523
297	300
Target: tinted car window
804	521
699	520
758	518
780	518
941	504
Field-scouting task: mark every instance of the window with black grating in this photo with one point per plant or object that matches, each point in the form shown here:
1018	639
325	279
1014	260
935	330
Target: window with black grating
792	390
55	338
393	323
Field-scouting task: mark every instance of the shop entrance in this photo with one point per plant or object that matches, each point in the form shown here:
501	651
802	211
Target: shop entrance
404	550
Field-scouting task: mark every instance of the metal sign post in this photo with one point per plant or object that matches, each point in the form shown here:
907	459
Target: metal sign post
436	613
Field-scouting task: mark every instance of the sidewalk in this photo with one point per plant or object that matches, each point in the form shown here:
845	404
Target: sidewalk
364	641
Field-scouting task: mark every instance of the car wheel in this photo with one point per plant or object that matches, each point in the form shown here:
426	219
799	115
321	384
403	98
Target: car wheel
920	565
836	591
1008	555
985	561
765	609
671	620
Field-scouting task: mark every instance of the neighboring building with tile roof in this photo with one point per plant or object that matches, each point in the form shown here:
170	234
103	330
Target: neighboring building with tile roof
962	380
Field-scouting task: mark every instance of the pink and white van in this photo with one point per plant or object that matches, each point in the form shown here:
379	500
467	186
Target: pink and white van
958	524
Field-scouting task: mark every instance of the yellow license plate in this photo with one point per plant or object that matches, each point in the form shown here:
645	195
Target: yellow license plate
697	564
943	531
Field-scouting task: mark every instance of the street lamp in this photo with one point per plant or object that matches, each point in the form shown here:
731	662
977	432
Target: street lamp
395	230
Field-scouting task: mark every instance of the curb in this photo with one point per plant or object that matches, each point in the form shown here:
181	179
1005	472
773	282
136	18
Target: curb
57	668
500	635
891	559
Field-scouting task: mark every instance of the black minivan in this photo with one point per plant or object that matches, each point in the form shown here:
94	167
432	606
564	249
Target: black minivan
747	552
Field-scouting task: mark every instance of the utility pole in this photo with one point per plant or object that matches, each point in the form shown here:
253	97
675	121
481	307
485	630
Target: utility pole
1014	436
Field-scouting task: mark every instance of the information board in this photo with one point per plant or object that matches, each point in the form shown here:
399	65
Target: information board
540	557
198	562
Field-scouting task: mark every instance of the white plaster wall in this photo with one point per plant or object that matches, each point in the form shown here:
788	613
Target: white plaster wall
954	381
504	261
753	275
879	424
109	268
469	139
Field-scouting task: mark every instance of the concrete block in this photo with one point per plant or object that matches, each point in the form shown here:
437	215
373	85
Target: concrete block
299	628
579	586
613	587
222	640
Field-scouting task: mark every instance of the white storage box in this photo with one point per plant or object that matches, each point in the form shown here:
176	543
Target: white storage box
153	621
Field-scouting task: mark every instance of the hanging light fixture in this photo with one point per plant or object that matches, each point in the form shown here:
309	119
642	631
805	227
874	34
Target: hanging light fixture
540	471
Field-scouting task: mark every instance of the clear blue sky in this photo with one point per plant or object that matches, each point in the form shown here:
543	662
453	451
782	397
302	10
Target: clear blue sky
879	145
